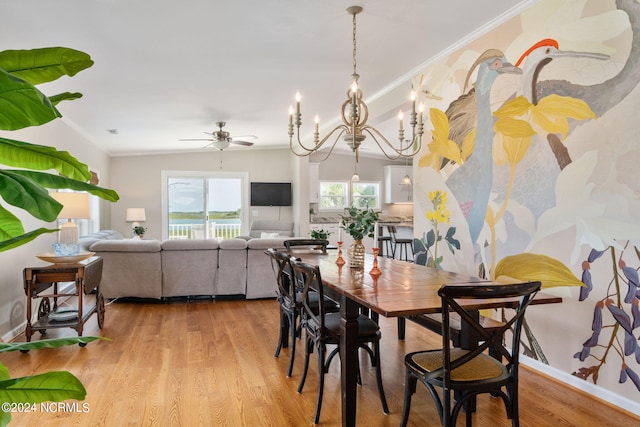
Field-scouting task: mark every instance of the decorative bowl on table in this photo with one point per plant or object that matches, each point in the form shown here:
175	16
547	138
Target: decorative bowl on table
66	249
70	259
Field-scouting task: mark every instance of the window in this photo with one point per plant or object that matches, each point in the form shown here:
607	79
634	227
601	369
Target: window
337	195
365	195
333	195
204	205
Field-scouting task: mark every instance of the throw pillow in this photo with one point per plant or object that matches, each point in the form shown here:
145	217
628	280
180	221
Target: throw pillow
269	235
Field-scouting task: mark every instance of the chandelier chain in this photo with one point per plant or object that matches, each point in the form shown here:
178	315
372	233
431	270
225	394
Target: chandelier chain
355	74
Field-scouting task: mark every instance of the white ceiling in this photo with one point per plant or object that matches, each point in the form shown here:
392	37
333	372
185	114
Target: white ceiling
167	69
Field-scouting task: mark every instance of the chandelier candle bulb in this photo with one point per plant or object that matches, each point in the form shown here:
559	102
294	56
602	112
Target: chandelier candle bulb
413	102
421	111
400	118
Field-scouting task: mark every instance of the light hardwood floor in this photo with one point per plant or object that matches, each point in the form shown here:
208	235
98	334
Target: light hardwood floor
207	363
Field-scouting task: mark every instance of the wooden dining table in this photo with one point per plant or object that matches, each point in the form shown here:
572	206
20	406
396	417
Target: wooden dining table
403	289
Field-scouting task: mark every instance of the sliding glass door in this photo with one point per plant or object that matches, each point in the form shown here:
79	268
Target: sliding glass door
204	205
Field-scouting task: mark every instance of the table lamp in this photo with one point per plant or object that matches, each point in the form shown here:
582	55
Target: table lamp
135	215
74	206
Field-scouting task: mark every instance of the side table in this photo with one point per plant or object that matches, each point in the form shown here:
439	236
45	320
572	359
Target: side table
86	276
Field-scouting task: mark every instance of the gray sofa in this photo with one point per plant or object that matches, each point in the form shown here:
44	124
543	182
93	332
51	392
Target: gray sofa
183	268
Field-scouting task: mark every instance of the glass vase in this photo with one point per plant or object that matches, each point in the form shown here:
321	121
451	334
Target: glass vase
356	254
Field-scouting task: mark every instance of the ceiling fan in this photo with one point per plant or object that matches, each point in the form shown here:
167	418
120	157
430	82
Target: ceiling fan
221	139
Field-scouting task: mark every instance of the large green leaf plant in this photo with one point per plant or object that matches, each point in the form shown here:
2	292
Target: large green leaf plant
23	105
38	168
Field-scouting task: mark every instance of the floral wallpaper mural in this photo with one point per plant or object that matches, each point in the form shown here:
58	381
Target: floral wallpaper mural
531	173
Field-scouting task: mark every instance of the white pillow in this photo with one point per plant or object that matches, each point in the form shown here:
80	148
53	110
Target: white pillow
269	235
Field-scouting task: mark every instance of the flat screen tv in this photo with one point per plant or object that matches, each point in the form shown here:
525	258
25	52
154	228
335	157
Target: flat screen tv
270	194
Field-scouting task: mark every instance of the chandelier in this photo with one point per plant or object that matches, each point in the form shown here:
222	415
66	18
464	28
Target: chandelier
354	128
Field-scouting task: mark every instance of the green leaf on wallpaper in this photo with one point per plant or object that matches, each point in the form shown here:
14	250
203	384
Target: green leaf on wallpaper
527	267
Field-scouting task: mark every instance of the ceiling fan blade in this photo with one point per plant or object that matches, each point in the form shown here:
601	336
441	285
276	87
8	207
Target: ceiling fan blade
245	143
197	139
245	137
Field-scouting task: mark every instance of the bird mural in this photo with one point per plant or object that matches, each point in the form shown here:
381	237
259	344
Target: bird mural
546	155
471	182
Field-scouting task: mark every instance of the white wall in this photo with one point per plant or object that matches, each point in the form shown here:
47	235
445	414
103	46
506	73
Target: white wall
137	179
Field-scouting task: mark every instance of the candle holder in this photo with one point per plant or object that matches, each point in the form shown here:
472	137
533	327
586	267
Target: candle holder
340	261
375	271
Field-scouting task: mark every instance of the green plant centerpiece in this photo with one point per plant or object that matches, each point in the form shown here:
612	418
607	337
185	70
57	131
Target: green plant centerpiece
139	230
26	187
359	223
320	234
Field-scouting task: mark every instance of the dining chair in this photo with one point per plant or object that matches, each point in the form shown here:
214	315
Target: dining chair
470	372
289	306
309	244
323	328
404	244
289	297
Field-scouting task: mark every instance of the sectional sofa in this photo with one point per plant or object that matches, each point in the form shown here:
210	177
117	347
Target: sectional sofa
137	268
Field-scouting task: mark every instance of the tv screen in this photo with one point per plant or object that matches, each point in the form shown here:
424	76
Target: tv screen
270	194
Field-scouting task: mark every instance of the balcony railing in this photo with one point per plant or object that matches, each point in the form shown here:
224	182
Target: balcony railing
197	231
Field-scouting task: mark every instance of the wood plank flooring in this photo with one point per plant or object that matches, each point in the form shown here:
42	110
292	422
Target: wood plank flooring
211	363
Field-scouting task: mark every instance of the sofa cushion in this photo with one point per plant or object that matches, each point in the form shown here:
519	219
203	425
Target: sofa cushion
126	245
190	244
86	241
283	228
232	244
277	243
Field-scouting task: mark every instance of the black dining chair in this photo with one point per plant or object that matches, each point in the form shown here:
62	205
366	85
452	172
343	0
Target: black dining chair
404	245
289	306
289	296
323	328
470	372
306	244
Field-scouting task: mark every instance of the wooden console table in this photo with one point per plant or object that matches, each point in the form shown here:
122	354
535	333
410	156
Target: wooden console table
86	276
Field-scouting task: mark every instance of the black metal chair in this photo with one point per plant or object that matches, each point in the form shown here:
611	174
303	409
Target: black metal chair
404	244
469	372
323	328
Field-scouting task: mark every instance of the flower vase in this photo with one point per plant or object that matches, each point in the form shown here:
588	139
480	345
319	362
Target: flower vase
356	254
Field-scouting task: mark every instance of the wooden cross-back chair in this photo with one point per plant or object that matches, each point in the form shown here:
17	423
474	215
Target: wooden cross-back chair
469	372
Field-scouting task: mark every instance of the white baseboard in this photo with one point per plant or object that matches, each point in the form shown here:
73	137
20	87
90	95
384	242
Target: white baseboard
587	387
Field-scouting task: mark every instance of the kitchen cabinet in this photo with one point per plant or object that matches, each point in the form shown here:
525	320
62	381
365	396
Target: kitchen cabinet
394	192
314	182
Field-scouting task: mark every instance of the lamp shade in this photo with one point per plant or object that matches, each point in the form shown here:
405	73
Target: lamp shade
135	215
74	205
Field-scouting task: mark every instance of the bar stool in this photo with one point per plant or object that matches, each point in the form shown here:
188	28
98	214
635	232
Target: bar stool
386	250
403	243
